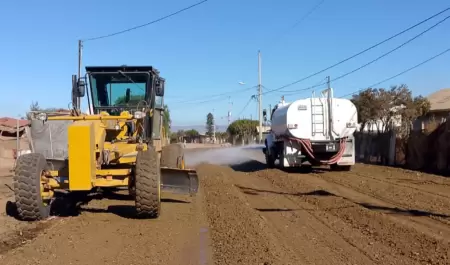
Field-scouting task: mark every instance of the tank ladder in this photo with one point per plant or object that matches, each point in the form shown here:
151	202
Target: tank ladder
317	116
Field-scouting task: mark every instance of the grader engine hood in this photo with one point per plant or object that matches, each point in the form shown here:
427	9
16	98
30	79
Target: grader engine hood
49	138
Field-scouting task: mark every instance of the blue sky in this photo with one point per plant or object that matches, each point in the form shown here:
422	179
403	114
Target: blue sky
207	50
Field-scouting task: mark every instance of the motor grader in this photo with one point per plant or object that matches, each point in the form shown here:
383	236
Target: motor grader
120	143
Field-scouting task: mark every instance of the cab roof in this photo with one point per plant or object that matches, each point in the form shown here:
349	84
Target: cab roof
124	68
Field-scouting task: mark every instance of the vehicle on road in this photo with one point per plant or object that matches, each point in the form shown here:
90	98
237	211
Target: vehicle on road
120	143
317	130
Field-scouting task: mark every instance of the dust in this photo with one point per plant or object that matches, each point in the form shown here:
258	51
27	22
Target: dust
223	156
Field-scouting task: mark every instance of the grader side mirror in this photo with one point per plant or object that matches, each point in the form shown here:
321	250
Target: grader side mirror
81	88
159	88
78	87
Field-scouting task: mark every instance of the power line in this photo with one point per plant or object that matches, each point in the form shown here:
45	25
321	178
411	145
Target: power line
401	73
246	105
197	103
308	88
225	95
302	18
319	84
378	58
146	24
308	14
359	53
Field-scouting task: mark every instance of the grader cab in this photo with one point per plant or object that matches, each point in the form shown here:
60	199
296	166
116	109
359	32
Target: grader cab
120	143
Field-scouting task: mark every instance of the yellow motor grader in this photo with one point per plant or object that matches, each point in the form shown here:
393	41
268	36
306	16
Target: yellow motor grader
120	143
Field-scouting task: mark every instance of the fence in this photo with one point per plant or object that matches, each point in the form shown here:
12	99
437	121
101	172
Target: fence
374	147
429	150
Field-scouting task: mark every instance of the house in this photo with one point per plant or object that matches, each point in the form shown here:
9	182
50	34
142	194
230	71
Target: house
439	111
9	126
376	126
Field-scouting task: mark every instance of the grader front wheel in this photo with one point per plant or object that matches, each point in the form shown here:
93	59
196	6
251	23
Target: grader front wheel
148	184
28	188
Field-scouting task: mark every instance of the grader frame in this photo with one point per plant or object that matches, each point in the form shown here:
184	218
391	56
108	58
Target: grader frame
121	143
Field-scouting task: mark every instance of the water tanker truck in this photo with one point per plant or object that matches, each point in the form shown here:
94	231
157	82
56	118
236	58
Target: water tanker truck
318	130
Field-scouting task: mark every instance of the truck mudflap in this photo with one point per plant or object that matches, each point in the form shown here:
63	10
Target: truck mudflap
179	181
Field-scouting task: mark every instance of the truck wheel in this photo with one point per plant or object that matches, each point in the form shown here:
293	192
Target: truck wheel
27	187
147	184
335	167
270	161
172	156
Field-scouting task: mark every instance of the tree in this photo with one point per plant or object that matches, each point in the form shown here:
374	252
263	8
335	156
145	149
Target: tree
394	106
34	106
191	134
223	136
180	135
166	120
134	100
174	137
243	128
209	125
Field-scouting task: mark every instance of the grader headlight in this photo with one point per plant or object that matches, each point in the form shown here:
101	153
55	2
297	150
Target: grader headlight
42	116
139	115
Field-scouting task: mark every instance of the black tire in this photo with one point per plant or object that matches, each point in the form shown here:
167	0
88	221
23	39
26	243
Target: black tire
335	167
345	168
147	184
172	156
270	161
27	187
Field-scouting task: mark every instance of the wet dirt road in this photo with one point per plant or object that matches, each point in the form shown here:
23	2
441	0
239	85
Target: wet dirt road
246	214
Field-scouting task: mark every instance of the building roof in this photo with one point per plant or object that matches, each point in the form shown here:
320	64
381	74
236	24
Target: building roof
440	100
12	123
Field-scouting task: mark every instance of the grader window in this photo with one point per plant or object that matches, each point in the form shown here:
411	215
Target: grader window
115	92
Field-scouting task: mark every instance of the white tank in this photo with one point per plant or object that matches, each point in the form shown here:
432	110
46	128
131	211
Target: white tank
309	118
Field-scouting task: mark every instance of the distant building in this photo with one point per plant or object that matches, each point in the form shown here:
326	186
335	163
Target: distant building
439	111
8	127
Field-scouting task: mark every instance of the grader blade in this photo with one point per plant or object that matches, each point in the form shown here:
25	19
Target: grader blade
179	181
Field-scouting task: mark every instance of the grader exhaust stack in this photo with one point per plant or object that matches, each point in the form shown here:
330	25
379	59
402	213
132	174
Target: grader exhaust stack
122	144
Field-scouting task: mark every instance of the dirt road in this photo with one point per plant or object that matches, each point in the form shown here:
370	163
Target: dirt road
246	214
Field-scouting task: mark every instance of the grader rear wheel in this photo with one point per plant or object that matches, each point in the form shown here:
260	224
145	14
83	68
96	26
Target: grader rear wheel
148	184
172	156
28	187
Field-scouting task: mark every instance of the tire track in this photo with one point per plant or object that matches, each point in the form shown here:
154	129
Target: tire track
402	185
405	243
433	226
416	203
308	233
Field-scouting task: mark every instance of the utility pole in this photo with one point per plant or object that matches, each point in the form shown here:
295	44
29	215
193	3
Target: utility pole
80	50
269	113
214	128
330	112
230	104
259	97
